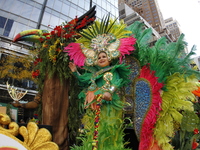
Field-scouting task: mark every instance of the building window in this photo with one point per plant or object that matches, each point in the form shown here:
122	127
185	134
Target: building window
156	20
2	21
8	27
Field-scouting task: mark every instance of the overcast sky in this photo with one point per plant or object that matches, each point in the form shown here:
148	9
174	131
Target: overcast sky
187	13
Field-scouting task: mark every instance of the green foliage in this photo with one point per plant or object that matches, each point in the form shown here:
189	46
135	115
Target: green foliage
16	67
185	136
73	111
190	121
164	58
8	111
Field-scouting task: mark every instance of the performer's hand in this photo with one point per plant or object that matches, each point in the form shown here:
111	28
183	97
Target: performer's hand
107	96
72	67
16	104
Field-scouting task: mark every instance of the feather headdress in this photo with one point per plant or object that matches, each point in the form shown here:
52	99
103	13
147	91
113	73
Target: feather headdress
105	35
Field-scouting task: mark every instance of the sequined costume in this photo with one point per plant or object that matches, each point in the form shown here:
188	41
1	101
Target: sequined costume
102	121
110	130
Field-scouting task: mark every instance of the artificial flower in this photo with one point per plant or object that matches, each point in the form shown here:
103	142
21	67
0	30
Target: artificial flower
195	144
196	131
35	73
37	60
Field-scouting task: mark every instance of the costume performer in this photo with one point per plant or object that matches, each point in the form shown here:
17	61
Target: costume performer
100	51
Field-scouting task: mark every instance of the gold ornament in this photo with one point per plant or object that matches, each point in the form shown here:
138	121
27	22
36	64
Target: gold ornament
34	138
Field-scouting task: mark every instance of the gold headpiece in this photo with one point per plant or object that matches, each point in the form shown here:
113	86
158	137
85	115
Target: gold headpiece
108	36
105	42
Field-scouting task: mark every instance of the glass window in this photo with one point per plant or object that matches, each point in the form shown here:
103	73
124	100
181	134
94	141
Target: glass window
104	12
13	17
65	9
99	3
1	31
116	13
26	11
33	24
2	3
61	21
108	7
7	5
16	7
48	10
116	3
98	14
63	17
2	21
81	3
22	20
76	2
54	21
112	1
112	9
87	5
35	14
103	4
67	2
38	5
79	13
55	13
8	27
57	5
50	3
72	12
74	6
39	1
46	18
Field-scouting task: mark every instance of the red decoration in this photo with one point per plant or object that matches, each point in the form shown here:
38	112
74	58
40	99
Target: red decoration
37	60
196	131
35	73
195	144
96	123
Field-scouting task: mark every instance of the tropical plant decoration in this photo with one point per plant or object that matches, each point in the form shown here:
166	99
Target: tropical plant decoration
49	60
50	57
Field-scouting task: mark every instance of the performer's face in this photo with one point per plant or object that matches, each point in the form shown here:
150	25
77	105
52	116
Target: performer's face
103	60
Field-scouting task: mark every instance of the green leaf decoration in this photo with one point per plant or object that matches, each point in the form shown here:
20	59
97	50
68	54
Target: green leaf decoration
189	121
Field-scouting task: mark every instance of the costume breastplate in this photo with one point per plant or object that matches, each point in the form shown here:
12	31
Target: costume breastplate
107	77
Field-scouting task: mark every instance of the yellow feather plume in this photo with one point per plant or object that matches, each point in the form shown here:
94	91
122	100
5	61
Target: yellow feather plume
177	97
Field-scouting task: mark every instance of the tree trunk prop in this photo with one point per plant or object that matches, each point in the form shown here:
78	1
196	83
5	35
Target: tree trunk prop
55	107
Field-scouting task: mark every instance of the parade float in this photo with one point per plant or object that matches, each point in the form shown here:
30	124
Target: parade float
160	87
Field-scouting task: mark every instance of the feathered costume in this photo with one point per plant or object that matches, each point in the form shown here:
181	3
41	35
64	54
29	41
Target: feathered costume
160	84
103	120
162	90
159	81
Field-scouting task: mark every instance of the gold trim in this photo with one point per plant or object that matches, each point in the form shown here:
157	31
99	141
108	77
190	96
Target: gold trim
34	138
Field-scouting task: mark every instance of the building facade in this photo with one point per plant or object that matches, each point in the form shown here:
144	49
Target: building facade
150	11
20	15
173	26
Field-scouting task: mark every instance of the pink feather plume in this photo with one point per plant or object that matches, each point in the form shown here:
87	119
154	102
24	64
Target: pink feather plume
126	46
75	53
